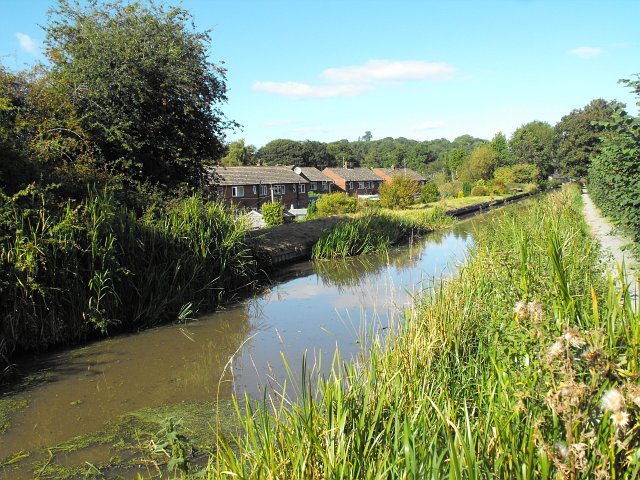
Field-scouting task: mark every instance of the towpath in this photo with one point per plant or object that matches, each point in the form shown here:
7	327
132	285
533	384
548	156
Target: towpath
613	244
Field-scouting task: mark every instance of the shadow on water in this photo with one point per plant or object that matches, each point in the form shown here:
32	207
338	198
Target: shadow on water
186	370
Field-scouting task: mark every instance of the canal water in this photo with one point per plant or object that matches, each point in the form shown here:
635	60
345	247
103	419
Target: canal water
310	309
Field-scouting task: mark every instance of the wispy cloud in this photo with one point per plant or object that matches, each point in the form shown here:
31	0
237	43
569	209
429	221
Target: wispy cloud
586	52
385	70
304	90
430	125
355	80
27	43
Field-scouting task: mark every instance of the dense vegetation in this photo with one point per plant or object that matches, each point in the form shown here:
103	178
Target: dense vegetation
614	175
522	367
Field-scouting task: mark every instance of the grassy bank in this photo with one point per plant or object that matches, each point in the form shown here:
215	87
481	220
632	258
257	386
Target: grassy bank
72	273
375	231
524	366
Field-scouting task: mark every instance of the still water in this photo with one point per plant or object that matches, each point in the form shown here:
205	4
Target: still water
311	308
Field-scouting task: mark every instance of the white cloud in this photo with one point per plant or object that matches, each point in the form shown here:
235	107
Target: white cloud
27	43
430	125
302	90
385	70
586	52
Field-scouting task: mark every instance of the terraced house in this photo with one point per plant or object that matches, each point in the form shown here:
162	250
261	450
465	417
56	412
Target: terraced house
250	187
354	181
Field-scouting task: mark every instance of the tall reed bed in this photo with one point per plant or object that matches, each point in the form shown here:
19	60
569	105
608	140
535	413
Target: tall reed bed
375	231
524	366
97	267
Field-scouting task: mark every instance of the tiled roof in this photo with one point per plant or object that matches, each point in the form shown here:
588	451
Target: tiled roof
391	172
314	175
355	174
254	175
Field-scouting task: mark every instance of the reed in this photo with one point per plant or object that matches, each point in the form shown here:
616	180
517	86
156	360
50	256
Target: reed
524	366
98	268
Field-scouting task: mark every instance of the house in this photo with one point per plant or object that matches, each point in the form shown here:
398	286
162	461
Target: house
354	181
318	181
250	187
387	174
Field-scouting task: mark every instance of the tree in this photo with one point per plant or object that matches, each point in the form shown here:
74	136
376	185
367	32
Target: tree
455	159
238	154
144	91
367	136
578	136
480	165
533	143
399	193
501	148
281	152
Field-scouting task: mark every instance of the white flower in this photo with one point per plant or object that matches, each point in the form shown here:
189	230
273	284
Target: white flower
612	401
573	339
535	310
555	350
521	310
620	419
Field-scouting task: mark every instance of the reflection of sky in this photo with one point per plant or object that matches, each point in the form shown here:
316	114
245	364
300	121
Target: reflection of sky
309	315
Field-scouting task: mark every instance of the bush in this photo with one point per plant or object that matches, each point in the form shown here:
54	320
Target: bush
450	189
479	191
336	204
466	189
504	175
399	193
273	213
429	193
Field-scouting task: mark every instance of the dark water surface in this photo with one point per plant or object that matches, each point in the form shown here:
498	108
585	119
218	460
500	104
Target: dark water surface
312	307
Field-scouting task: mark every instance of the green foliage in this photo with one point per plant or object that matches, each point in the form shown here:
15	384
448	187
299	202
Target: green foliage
525	173
479	165
455	159
500	147
145	93
91	268
399	193
336	204
273	213
533	143
238	154
466	189
578	136
479	191
429	193
504	175
614	175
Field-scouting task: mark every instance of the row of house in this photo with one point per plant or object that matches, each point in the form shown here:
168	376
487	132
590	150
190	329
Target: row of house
250	187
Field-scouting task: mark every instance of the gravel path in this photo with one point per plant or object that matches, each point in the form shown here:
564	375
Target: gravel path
612	243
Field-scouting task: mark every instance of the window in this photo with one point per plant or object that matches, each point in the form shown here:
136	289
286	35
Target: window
361	185
349	185
367	185
278	190
264	190
324	185
313	186
255	190
301	188
237	191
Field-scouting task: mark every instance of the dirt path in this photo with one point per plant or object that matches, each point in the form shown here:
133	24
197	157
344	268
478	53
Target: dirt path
612	243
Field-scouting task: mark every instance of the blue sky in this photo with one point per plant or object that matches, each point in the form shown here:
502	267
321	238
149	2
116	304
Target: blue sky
328	70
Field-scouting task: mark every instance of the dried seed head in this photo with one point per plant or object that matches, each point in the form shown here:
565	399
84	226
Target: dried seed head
521	310
612	400
620	419
573	338
535	310
555	350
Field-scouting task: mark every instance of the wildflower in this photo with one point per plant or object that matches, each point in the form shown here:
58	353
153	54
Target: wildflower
612	401
634	394
535	310
620	419
521	310
555	350
562	450
573	338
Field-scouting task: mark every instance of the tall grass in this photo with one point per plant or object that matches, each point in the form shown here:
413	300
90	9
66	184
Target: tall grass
97	267
375	231
524	366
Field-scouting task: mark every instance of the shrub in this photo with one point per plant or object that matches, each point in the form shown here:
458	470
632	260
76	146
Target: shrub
504	175
466	189
450	189
525	173
479	191
399	193
429	193
336	204
273	213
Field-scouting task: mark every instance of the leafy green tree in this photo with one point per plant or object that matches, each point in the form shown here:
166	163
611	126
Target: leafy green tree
504	175
480	165
468	142
139	78
455	159
281	152
342	151
273	213
238	154
399	193
501	148
533	143
429	193
578	135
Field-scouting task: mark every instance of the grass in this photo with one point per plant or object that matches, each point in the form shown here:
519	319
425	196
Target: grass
510	370
375	231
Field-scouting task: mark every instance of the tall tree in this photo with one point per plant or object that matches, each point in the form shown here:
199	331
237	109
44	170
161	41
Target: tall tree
578	135
238	154
533	143
501	148
282	152
455	159
140	79
480	165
